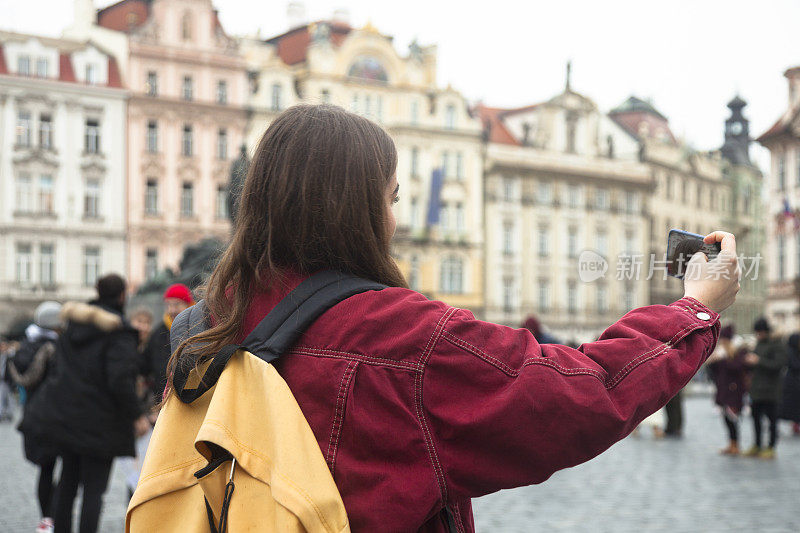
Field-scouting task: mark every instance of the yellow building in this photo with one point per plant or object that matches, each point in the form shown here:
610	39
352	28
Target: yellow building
360	70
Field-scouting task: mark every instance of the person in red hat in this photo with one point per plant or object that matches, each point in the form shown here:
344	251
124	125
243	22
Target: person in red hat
177	297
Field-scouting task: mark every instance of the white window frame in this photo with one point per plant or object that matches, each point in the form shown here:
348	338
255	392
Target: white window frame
23	263
451	278
92	198
24	186
45	131
221	210
222	144
187	199
276	97
150	263
46	194
151	196
92	259
24	128
151	137
91	143
47	264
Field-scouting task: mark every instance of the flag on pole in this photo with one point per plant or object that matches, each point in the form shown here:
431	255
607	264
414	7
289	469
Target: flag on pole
434	203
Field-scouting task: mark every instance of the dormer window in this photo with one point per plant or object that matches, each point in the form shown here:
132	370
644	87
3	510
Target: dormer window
41	67
450	117
91	74
24	65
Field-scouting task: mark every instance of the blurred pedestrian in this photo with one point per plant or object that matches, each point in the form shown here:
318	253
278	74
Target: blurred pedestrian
142	320
177	297
674	414
89	408
6	413
790	401
533	325
766	361
31	365
728	368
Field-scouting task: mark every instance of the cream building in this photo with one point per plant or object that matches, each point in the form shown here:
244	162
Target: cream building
62	170
186	121
783	216
562	179
360	70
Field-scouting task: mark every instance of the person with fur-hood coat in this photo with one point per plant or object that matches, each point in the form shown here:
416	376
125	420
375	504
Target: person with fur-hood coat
89	408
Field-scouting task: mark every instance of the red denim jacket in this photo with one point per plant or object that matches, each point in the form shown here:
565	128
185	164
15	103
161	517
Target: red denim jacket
417	405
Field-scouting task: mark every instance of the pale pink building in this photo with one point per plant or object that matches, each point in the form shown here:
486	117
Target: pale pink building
186	121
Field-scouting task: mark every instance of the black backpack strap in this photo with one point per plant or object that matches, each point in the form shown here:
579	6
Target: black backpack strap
188	323
282	326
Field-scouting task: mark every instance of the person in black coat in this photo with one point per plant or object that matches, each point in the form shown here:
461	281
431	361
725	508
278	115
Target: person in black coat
32	363
89	407
790	400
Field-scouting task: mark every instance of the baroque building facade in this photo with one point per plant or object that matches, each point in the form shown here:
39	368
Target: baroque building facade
782	213
562	180
62	170
438	243
186	121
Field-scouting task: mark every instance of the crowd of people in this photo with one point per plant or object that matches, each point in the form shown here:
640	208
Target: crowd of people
88	380
766	377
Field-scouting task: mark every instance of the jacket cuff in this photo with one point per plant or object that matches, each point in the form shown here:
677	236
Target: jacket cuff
701	313
706	322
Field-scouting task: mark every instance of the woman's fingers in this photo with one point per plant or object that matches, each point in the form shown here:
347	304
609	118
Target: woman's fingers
727	239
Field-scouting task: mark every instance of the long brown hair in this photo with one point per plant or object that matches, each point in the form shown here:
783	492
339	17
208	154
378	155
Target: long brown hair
314	199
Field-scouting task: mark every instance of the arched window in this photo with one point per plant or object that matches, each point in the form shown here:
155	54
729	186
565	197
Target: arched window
452	275
186	26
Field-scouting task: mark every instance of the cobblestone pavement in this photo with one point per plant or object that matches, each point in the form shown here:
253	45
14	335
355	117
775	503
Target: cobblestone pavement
638	485
675	485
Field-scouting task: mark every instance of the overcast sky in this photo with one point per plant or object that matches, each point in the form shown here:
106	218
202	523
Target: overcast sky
688	57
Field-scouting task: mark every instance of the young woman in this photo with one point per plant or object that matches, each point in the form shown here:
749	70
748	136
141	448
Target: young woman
727	365
416	405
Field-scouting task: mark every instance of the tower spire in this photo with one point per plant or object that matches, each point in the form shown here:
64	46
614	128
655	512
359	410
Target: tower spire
569	75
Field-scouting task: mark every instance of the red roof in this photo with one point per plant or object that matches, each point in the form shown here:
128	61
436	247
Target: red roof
65	72
124	15
781	126
492	118
293	45
3	68
633	120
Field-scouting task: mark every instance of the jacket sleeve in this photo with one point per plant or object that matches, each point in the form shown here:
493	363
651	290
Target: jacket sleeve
121	371
36	369
500	411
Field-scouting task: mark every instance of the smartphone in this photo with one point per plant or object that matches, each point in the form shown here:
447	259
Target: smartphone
681	245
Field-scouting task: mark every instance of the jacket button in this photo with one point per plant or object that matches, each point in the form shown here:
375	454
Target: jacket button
703	316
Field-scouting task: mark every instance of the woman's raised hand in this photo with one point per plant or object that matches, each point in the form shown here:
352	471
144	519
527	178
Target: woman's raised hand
714	283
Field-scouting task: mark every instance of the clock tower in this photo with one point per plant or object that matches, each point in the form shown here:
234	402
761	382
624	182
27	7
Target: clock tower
737	134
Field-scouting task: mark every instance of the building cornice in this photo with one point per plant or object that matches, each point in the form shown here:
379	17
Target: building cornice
43	85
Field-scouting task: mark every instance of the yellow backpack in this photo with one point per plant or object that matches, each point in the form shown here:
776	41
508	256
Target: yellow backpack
234	452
